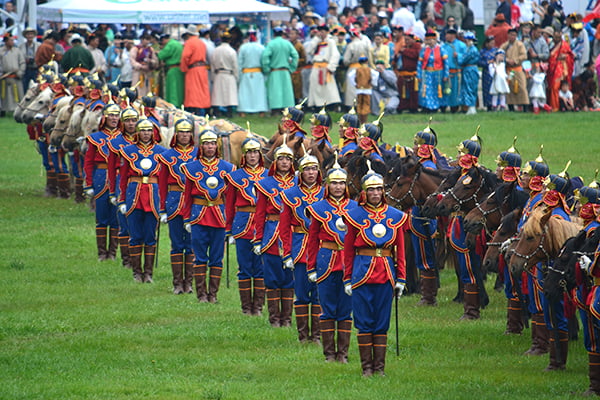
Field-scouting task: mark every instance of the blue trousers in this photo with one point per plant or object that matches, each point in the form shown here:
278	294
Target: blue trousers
305	290
424	252
43	148
142	227
59	161
276	277
372	307
208	244
106	212
469	266
535	294
249	264
76	166
123	227
181	240
335	303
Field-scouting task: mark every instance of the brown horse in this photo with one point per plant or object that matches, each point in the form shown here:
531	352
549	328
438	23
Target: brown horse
294	142
540	239
468	191
506	230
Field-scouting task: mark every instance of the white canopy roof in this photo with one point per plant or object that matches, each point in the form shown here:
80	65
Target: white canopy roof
154	11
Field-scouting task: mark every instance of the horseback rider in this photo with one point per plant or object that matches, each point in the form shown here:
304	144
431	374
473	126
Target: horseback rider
349	125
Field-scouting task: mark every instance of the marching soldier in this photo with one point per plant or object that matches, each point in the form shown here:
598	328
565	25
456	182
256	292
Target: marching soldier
96	180
293	230
241	221
374	266
204	213
279	279
139	198
171	186
129	119
325	263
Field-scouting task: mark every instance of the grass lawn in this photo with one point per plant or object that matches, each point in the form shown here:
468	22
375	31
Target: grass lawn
74	328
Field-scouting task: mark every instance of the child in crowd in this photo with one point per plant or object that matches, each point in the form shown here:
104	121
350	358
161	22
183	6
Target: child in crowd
565	97
499	88
537	93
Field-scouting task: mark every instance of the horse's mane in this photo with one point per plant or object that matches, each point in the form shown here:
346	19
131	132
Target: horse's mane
357	165
516	197
490	180
399	167
509	222
558	230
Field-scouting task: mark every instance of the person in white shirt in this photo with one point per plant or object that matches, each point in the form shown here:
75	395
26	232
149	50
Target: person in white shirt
526	10
404	17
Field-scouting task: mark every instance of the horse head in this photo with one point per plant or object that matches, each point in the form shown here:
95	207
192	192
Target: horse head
467	191
506	230
62	118
38	107
31	94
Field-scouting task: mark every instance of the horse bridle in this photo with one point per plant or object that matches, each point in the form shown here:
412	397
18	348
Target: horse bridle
528	257
407	194
473	197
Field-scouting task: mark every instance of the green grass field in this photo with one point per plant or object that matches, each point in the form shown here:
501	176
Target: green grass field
74	328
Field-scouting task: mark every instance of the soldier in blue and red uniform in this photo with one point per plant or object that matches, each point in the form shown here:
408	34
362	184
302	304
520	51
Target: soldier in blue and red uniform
241	221
149	111
96	180
554	199
279	280
468	260
588	300
320	125
423	229
204	213
57	153
374	267
293	231
139	198
291	121
531	180
126	137
325	263
508	170
171	184
349	125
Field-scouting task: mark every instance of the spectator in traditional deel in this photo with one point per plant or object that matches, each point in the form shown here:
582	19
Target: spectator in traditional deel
29	47
77	57
12	67
487	55
385	91
380	51
499	30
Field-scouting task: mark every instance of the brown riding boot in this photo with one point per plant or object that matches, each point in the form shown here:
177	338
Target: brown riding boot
315	323
344	328
273	305
113	243
563	348
365	349
302	321
200	278
79	197
51	184
534	338
245	288
379	349
135	259
177	268
543	335
328	339
101	242
213	283
258	299
594	374
149	254
287	306
64	185
471	301
429	288
124	245
514	321
188	274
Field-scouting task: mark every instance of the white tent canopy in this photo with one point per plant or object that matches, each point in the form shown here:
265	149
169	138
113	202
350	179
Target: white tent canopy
154	11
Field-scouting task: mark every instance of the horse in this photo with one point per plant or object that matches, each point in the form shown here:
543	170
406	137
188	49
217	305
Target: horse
38	107
33	91
231	138
540	239
357	168
506	230
294	142
429	208
487	215
467	191
562	276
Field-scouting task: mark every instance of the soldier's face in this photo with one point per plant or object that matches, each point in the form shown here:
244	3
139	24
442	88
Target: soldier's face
129	125
374	195
284	164
145	135
337	189
209	149
310	175
525	178
252	158
184	138
112	120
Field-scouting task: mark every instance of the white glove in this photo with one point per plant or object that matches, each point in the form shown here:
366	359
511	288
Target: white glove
257	250
163	218
122	208
89	192
584	263
288	264
504	245
188	227
312	277
399	289
52	149
348	289
113	200
231	239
